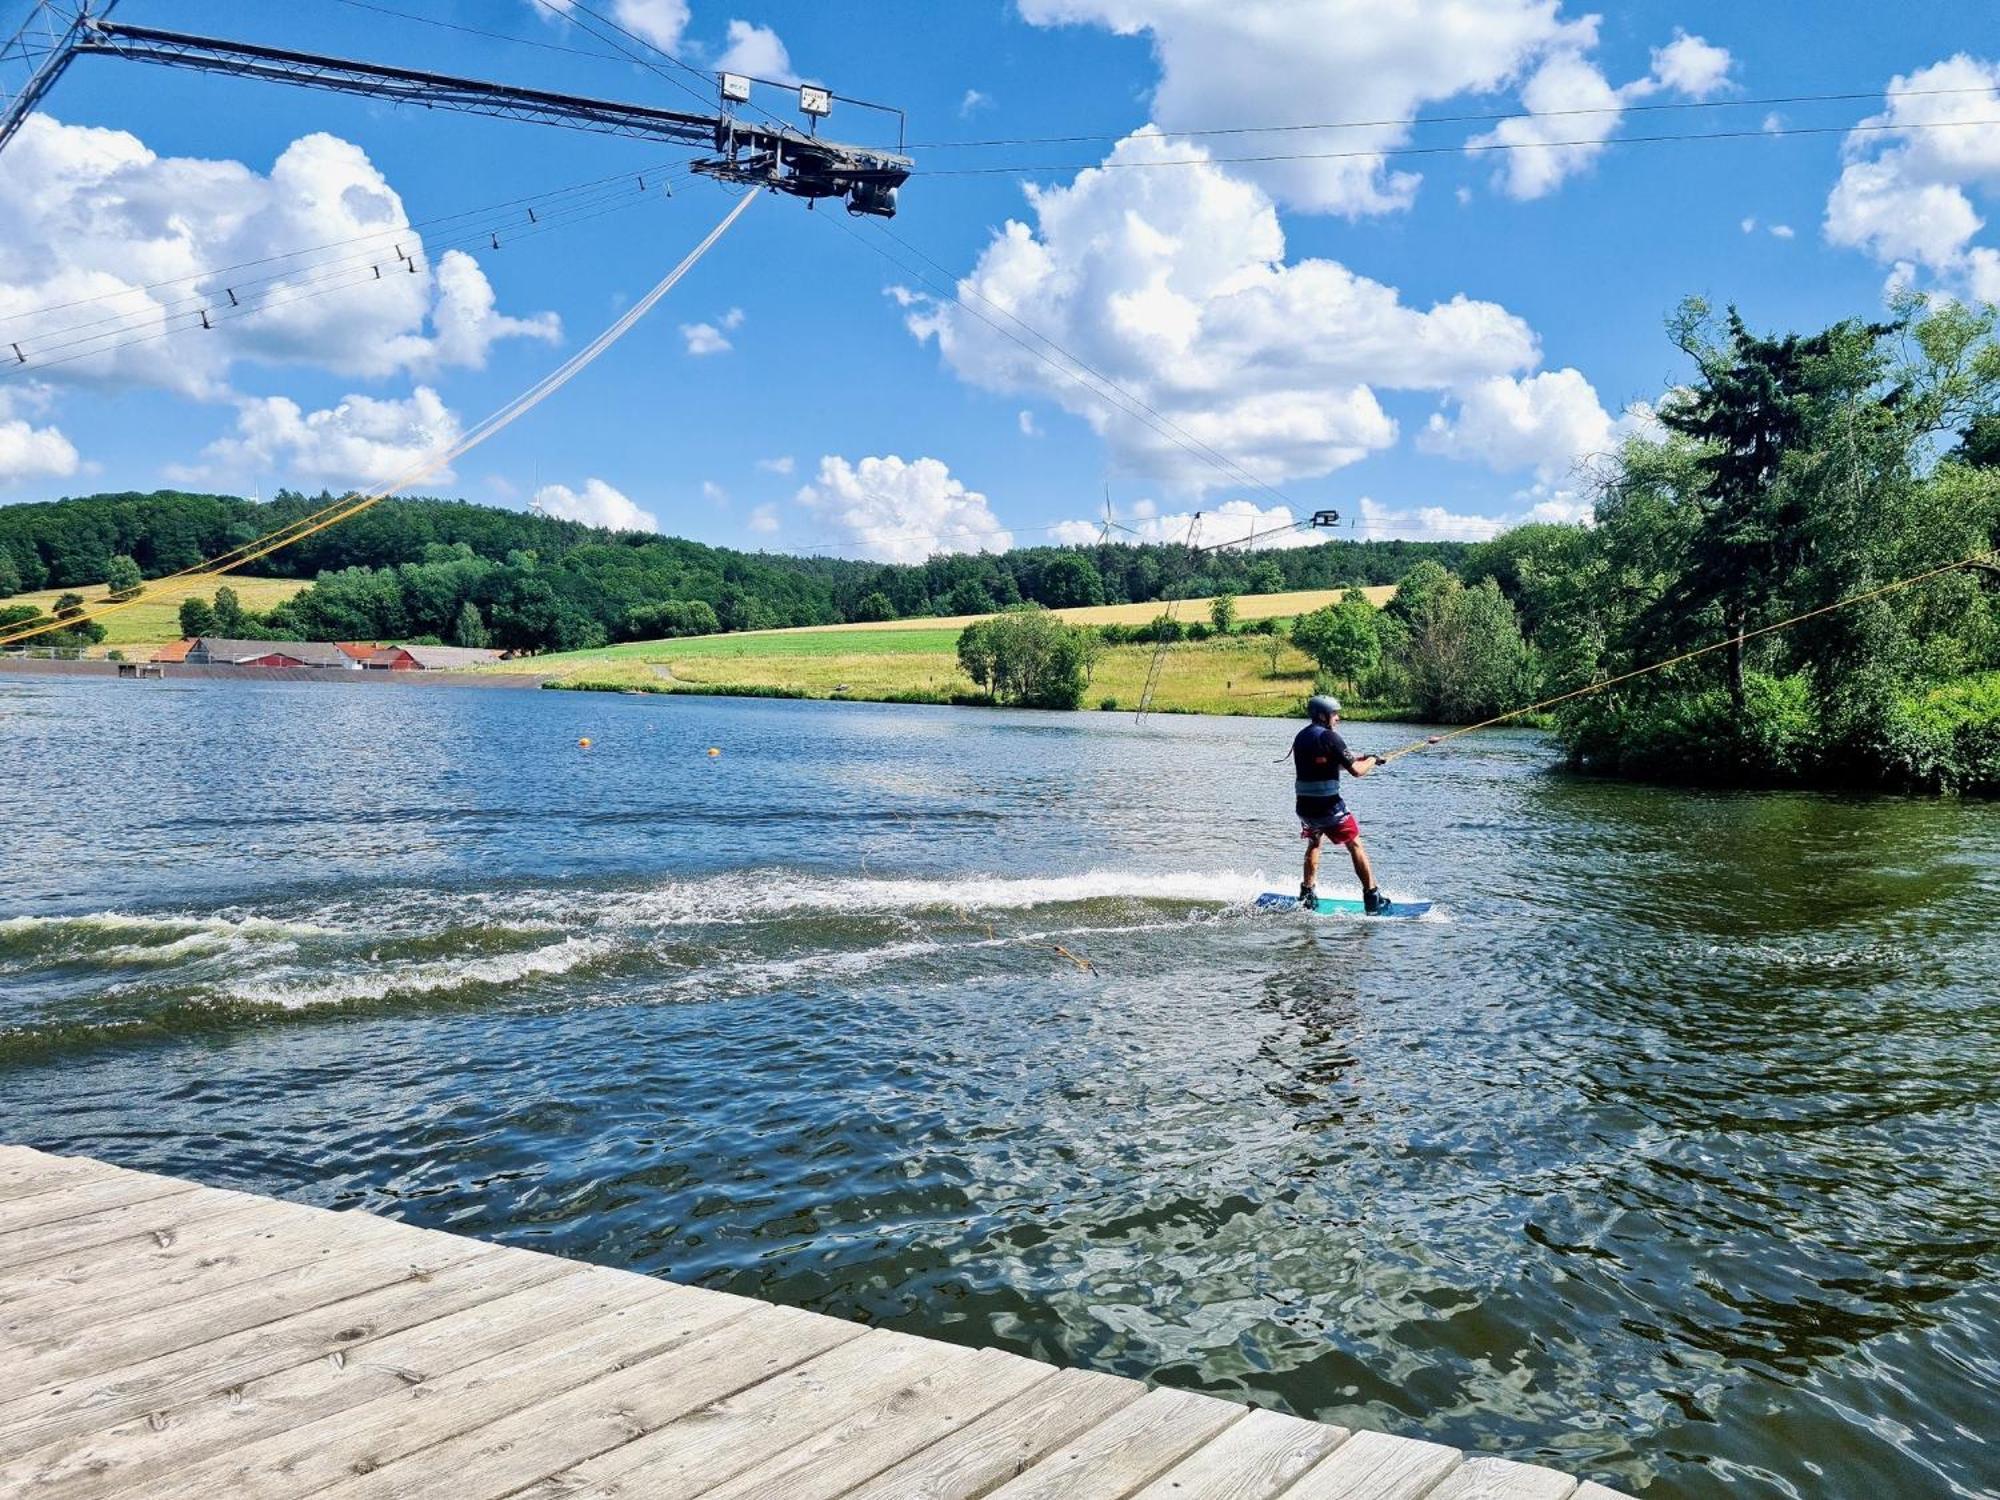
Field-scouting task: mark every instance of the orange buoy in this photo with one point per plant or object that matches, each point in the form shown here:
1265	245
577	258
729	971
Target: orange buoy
713	751
584	743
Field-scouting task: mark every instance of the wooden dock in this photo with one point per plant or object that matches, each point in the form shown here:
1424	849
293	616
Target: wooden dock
165	1341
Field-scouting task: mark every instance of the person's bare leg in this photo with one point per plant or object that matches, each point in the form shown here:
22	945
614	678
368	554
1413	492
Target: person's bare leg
1361	866
1312	861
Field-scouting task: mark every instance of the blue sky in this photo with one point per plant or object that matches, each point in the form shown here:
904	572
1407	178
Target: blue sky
1323	371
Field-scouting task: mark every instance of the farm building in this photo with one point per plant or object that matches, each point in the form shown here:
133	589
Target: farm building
214	651
429	658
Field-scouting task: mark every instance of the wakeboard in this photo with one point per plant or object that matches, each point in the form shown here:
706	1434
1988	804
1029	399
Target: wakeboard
1337	906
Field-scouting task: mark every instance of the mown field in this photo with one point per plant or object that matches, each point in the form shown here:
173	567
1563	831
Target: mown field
155	618
1233	676
1243	674
1248	607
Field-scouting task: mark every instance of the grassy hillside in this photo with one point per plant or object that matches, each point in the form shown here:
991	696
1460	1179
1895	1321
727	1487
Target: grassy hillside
920	657
155	618
1248	607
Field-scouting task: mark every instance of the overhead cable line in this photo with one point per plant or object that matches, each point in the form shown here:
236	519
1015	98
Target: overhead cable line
414	226
488	235
498	36
429	464
707	80
1468	148
571	9
212	312
1456	119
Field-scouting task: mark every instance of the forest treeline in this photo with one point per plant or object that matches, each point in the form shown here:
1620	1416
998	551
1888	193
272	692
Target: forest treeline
412	568
1789	473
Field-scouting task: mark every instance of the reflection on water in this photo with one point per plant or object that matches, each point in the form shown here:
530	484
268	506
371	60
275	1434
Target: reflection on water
1665	1154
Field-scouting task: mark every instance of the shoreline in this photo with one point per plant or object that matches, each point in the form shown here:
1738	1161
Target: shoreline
184	672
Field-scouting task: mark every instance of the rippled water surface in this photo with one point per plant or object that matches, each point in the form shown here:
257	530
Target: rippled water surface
1667	1151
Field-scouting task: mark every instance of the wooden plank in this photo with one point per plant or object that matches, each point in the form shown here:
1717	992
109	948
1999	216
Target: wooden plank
529	1295
231	1251
552	1434
20	1179
1375	1466
367	1439
27	1248
19	1159
1501	1479
138	1336
1007	1440
119	1393
866	1442
161	1249
73	1200
1252	1460
180	1343
693	1454
1119	1456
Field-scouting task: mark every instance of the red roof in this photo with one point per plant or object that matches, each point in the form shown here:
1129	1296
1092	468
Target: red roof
358	650
174	651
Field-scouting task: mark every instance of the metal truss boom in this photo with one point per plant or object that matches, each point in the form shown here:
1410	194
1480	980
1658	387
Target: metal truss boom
778	157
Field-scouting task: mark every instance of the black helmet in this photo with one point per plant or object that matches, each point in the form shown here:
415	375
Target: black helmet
1320	706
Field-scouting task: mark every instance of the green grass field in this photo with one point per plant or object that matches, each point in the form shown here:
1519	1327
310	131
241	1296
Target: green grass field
1233	676
1243	674
154	619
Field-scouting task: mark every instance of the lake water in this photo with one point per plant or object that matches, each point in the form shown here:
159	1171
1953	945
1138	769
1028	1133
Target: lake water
1665	1152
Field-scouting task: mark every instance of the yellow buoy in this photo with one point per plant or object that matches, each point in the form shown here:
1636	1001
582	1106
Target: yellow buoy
713	751
583	744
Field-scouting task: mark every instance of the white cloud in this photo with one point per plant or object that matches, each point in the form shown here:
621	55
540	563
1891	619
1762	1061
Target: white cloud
973	102
903	512
465	321
1560	87
711	338
1236	522
1562	507
756	52
360	442
1781	231
1983	274
714	494
1691	66
764	520
1175	285
1025	420
126	238
1546	422
1774	121
704	338
28	451
1280	62
660	22
1907	192
1571	101
1379	522
783	464
597	504
1749	226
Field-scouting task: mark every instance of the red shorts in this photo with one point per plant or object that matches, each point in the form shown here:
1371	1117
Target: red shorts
1342	830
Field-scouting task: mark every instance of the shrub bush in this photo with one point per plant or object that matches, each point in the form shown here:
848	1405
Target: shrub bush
1947	739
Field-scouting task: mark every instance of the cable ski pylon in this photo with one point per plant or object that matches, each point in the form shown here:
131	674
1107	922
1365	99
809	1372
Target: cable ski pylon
434	461
1158	664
